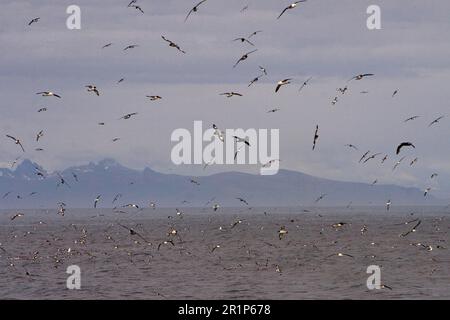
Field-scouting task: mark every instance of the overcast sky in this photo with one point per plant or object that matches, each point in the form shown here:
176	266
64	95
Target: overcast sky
325	39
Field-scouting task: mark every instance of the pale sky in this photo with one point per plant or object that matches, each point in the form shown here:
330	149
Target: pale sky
325	39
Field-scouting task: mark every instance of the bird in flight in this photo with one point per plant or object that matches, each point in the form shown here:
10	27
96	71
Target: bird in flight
48	94
92	88
282	232
411	118
398	163
17	215
291	6
371	157
264	70
107	45
231	94
388	205
320	197
16	141
395	93
304	84
282	83
128	116
404	144
436	121
242	200
351	146
316	136
96	201
239	139
242	40
364	156
39	135
194	9
218	133
131	46
137	8
361	76
274	110
412	230
35	20
154	98
244	57
173	44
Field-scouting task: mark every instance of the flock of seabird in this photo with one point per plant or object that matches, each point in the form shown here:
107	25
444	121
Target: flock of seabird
173	239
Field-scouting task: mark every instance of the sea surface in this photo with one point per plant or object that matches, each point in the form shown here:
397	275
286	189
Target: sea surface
228	254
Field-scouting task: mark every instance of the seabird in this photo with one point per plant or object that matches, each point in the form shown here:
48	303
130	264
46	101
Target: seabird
244	57
411	118
154	98
404	144
361	76
97	200
137	8
42	110
291	6
436	121
242	200
364	156
33	21
92	88
238	139
173	44
194	9
395	93
305	84
244	40
107	45
218	133
316	136
320	197
414	161
231	94
434	175
48	94
398	163
273	110
128	116
282	232
282	83
17	215
372	157
351	146
131	46
264	70
166	242
427	190
388	205
16	141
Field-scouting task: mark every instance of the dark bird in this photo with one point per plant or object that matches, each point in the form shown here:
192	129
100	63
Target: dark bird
411	230
273	110
92	88
364	156
154	98
173	44
291	6
371	157
194	9
351	146
107	45
133	232
128	116
242	40
316	136
320	197
404	144
96	201
242	200
436	121
238	139
39	135
361	76
33	21
244	57
17	215
231	94
132	46
411	118
137	8
16	141
42	110
304	84
395	93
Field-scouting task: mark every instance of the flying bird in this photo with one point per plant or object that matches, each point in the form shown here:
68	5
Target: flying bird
137	8
128	116
173	44
231	94
291	6
398	163
436	121
154	98
92	88
351	146
304	84
194	9
282	83
39	135
17	215
35	20
404	144
97	200
107	45
131	46
411	118
244	57
16	141
49	94
218	133
242	40
242	200
361	76
316	136
364	156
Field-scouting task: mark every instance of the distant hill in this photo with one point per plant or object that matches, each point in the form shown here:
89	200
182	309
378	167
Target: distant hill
23	188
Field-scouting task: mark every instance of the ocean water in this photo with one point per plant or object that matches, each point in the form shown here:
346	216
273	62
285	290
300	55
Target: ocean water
211	259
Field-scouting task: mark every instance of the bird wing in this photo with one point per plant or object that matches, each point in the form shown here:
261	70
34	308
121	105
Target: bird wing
282	12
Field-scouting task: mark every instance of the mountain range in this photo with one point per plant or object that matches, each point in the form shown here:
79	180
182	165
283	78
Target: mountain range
31	186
